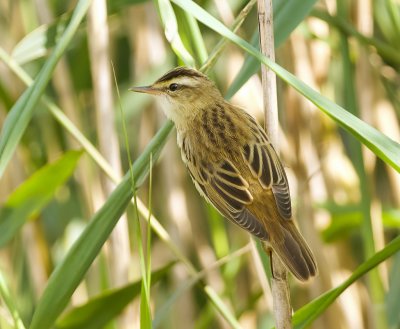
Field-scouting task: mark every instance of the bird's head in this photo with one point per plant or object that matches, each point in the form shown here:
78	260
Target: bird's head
183	93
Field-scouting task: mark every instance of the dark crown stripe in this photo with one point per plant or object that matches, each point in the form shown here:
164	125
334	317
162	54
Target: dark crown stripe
180	72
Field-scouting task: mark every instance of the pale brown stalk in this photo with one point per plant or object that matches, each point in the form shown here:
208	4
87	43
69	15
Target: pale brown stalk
119	255
279	284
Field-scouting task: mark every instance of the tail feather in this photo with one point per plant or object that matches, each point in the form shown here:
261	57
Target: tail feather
294	252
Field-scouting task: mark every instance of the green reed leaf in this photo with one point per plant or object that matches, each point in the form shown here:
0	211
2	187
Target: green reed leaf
34	193
100	310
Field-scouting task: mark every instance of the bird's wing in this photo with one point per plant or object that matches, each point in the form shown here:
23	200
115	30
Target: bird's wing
265	165
228	191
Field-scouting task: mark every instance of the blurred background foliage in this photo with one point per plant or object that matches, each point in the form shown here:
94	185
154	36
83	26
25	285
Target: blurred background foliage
194	270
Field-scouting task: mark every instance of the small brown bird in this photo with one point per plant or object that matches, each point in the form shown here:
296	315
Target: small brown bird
233	164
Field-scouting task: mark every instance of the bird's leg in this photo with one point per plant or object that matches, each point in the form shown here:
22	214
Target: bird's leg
271	263
268	251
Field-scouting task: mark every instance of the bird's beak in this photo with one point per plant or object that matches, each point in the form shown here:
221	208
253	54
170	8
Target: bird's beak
146	90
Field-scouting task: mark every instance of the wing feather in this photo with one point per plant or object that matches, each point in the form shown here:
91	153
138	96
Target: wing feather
228	191
265	165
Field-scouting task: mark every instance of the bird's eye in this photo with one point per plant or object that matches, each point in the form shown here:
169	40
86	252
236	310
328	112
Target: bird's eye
173	86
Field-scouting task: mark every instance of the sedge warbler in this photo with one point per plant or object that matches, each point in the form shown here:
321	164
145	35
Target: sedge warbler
233	164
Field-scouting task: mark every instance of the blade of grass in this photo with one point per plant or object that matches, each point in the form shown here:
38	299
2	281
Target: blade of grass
308	313
356	157
392	297
196	38
19	116
34	193
383	18
288	16
8	301
145	310
5	95
117	5
170	24
66	277
384	147
37	43
394	14
100	310
148	235
190	35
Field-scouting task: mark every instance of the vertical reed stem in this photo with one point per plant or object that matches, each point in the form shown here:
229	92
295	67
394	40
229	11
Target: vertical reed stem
279	283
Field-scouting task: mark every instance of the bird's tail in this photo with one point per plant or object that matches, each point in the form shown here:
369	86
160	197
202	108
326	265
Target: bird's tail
293	251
